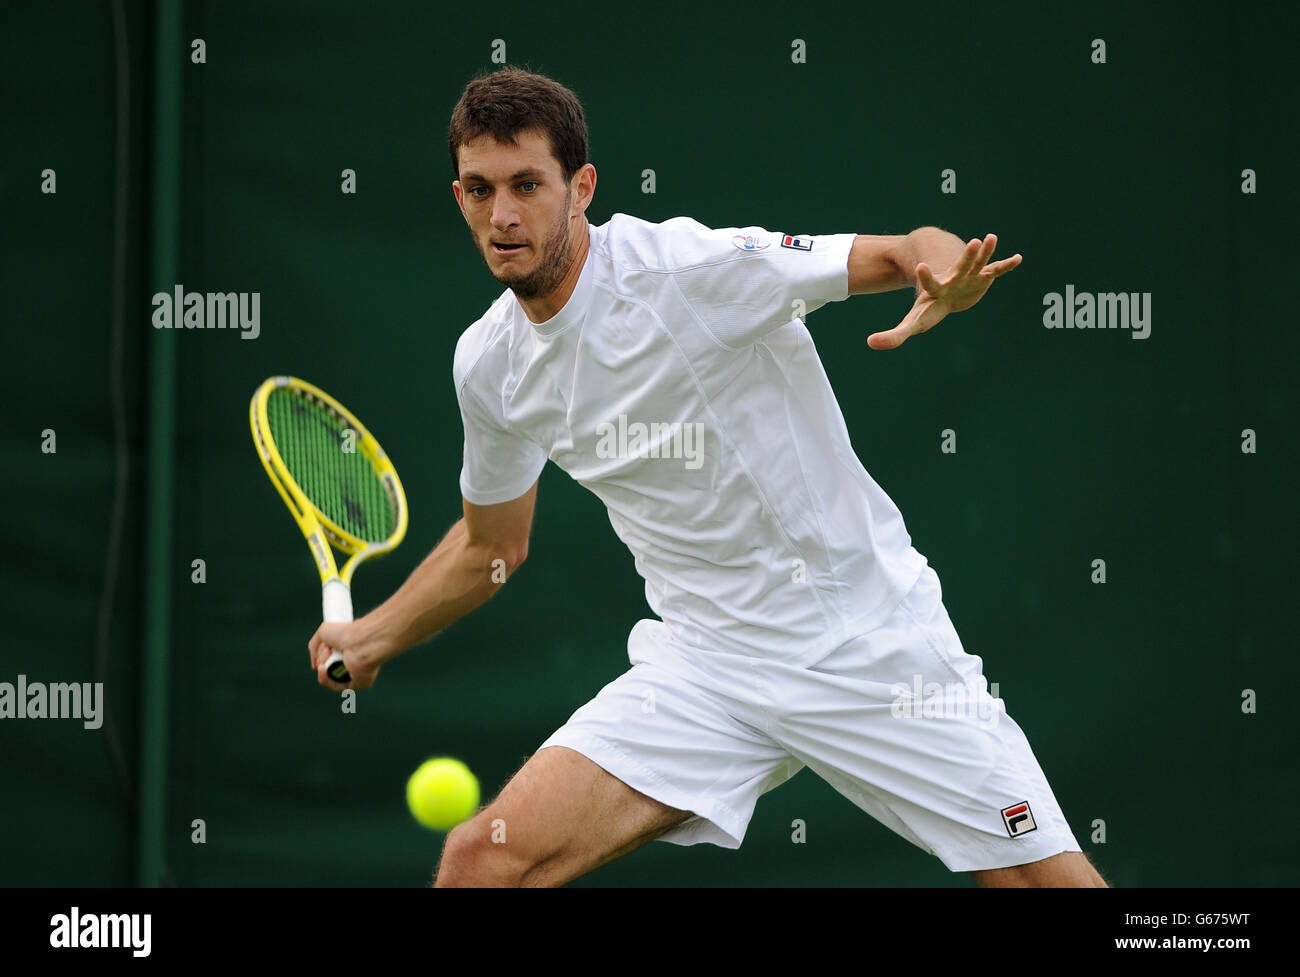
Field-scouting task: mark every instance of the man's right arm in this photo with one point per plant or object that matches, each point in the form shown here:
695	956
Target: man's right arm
461	573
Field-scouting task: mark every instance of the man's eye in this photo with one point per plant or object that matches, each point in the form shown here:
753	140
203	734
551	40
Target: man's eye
474	191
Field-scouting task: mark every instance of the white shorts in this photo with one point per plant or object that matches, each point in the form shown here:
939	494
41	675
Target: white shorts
899	720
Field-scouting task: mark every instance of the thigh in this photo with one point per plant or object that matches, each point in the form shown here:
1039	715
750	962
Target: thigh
561	816
683	736
657	753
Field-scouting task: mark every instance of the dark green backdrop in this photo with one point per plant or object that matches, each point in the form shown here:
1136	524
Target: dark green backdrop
1072	445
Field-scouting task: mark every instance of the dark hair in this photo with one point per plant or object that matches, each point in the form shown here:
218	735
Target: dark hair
509	101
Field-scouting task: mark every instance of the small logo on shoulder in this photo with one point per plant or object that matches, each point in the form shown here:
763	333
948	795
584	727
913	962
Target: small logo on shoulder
749	242
1018	819
798	243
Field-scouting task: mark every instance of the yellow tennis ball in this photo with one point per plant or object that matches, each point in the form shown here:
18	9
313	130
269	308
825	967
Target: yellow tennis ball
442	793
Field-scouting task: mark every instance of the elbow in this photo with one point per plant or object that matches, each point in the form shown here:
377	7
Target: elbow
496	561
508	557
515	556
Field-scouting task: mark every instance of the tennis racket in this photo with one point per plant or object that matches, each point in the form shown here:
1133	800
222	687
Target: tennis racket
337	482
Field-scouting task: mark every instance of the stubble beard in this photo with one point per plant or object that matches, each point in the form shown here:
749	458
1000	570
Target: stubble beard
551	268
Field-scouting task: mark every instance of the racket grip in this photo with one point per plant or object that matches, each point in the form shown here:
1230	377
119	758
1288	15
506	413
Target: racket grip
336	604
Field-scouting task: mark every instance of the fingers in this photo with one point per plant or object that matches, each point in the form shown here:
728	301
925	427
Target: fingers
983	252
313	644
927	279
362	676
322	676
317	648
951	295
890	339
999	268
969	263
976	255
328	635
974	263
964	264
912	323
319	651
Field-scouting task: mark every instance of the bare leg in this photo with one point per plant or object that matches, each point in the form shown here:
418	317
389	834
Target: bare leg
1069	869
558	818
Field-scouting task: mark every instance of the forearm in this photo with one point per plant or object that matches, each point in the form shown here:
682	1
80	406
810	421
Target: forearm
457	577
932	245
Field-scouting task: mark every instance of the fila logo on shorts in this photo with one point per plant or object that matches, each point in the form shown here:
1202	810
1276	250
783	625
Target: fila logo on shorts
798	243
1018	819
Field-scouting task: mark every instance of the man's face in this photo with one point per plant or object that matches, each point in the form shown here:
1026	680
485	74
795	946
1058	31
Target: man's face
518	195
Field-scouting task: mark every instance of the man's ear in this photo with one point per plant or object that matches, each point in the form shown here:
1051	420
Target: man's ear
578	179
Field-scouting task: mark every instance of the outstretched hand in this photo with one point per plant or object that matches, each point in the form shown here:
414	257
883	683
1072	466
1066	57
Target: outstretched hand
962	286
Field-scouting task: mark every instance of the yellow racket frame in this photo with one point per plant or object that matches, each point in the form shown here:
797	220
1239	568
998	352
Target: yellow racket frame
317	528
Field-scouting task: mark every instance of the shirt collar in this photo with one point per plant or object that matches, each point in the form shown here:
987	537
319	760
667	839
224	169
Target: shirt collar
574	309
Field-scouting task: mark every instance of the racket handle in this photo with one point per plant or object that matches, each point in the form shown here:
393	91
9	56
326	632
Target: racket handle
336	603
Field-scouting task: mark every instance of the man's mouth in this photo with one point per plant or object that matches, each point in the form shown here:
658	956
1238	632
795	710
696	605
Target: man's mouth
507	248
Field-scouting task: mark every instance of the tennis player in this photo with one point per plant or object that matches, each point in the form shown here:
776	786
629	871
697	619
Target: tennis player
666	367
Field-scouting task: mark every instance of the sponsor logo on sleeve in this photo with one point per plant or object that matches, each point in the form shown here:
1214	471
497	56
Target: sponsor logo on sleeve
800	242
749	242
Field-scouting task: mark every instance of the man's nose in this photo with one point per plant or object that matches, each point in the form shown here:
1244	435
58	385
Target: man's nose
503	214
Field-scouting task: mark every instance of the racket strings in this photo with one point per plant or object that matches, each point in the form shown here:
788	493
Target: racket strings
341	483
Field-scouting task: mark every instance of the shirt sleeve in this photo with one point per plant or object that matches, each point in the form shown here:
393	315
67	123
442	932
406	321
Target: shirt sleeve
499	465
745	282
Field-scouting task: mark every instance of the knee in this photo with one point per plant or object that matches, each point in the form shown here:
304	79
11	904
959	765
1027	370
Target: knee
472	858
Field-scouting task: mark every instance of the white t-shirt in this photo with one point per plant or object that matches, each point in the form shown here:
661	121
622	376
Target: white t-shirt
677	386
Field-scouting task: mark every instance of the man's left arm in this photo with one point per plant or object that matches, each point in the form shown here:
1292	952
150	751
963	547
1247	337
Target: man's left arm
882	263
